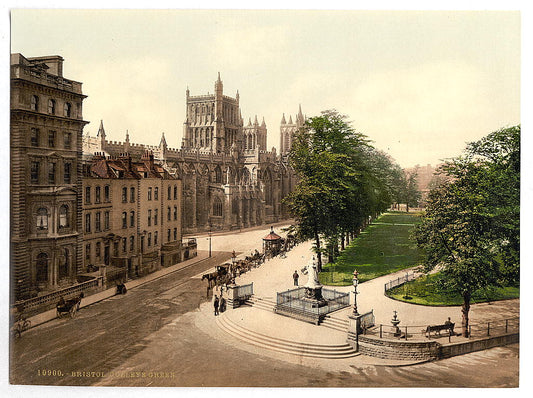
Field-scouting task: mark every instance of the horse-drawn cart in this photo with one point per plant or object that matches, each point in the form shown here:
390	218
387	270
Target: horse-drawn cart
68	307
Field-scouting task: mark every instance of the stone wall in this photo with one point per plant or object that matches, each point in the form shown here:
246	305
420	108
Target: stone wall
403	350
451	350
428	350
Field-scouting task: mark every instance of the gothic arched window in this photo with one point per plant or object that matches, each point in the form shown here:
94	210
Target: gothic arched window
218	175
217	207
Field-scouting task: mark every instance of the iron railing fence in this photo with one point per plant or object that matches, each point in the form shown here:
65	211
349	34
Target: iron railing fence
494	328
419	332
367	320
294	301
245	291
401	280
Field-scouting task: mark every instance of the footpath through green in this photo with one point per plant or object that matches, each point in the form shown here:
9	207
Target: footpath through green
384	247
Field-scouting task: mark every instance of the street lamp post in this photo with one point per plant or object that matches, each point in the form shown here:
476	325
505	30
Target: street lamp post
209	239
355	283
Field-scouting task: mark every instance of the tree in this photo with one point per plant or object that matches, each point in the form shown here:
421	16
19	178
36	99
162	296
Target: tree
343	181
471	226
411	194
326	155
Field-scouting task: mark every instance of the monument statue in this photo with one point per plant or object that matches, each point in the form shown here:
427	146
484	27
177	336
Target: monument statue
311	270
313	288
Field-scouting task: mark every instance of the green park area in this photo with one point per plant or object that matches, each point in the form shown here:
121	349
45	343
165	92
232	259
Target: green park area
382	248
427	290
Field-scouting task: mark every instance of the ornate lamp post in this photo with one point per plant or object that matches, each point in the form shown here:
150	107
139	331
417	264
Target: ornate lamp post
355	283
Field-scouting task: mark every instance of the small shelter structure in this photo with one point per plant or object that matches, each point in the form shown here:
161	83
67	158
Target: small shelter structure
272	242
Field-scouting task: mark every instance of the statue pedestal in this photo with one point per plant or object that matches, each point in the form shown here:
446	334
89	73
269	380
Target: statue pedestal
313	295
232	296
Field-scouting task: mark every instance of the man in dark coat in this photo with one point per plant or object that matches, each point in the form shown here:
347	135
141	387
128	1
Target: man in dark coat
295	276
215	303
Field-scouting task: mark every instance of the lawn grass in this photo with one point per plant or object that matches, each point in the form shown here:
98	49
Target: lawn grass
426	291
382	248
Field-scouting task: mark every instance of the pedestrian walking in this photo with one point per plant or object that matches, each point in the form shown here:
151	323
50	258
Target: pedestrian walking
215	303
295	277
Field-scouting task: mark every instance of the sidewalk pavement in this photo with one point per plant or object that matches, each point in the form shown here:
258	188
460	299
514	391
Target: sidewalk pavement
94	298
275	276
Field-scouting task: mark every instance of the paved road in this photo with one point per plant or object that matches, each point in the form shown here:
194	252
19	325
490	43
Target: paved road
106	334
151	329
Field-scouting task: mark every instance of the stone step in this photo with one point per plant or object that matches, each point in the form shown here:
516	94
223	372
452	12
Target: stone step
286	346
260	303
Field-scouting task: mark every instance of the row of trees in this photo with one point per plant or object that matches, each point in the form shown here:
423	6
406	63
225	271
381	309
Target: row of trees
343	181
471	227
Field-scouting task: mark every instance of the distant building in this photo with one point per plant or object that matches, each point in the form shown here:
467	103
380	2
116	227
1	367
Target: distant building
229	178
46	170
424	176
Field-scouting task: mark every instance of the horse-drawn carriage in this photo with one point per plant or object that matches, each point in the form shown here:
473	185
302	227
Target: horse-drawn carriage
221	276
68	307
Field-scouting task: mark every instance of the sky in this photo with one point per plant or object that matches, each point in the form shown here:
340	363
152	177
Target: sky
419	84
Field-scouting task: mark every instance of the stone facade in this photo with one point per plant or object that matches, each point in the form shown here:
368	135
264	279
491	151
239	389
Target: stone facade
131	214
229	178
46	170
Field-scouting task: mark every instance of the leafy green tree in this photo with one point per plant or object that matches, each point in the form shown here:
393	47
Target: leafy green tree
326	155
343	181
471	226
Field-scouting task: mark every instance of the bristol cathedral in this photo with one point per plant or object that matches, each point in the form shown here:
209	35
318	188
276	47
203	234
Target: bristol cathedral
229	178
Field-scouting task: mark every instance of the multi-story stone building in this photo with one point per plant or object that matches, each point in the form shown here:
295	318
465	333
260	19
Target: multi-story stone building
46	169
229	178
132	215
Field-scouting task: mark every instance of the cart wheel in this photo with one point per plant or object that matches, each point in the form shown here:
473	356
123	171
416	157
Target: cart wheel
16	333
26	325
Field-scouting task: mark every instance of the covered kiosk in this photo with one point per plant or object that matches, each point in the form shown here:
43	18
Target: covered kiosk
272	243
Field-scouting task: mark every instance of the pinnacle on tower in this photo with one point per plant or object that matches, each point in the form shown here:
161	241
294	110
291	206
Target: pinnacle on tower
263	124
256	123
163	142
127	136
290	119
249	121
101	131
283	121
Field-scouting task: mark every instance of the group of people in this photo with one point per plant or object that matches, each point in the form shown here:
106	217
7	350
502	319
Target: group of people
219	304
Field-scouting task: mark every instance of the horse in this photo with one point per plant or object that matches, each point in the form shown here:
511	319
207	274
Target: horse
211	278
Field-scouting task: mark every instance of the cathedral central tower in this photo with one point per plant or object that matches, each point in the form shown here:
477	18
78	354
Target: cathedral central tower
213	122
